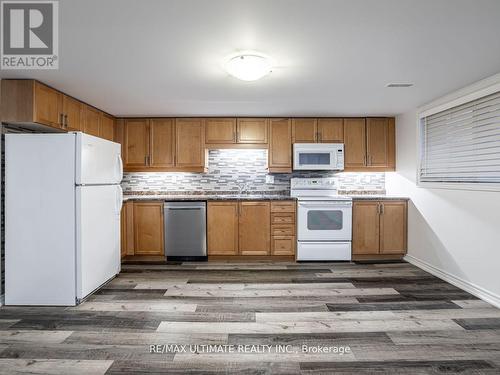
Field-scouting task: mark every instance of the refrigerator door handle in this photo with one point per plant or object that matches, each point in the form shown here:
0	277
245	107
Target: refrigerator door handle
119	198
120	168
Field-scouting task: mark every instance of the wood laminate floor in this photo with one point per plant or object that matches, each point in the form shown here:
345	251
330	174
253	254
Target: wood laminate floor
259	318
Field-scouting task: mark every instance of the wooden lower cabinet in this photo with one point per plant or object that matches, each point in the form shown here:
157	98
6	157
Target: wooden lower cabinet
366	227
222	228
244	228
142	228
283	240
379	229
393	227
254	228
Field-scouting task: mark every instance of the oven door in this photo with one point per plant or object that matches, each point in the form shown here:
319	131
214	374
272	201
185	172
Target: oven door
313	158
324	221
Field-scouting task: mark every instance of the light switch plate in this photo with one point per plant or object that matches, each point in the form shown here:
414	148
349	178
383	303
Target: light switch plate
269	179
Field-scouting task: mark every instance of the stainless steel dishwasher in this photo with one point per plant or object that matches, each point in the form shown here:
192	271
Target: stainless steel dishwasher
185	230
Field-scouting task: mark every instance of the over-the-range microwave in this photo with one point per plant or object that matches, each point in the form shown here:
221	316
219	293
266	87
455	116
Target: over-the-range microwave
318	156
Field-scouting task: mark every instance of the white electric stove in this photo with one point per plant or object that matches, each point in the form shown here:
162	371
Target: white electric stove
324	220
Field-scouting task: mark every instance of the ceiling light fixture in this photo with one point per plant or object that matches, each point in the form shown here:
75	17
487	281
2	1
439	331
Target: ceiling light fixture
398	85
248	66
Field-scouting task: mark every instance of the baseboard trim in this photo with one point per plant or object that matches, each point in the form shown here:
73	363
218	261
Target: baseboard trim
473	289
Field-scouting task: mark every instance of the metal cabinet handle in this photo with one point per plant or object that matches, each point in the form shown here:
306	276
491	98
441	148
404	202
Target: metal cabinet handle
378	208
66	121
381	208
145	160
61	120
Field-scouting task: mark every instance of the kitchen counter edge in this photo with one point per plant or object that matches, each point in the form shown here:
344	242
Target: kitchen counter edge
153	197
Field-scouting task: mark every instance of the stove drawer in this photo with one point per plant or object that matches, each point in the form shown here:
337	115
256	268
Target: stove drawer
323	251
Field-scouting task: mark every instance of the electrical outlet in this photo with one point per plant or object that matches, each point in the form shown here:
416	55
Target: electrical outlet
269	179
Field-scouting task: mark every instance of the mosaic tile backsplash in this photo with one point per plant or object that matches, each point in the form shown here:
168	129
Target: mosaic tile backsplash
230	168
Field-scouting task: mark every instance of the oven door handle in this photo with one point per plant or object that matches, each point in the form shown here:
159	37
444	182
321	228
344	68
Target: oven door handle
326	205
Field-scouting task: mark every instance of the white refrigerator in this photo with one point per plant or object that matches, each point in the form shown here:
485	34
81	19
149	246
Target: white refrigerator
62	217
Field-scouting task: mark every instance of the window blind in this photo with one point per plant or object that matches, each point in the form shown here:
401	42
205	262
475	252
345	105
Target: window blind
462	144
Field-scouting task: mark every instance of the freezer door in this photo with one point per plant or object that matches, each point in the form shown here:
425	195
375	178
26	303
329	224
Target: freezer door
98	161
97	236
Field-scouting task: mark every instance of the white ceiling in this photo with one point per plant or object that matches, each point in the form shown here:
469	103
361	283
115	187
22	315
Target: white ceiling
158	57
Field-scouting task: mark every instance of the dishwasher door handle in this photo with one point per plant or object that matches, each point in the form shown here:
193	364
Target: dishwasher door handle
184	208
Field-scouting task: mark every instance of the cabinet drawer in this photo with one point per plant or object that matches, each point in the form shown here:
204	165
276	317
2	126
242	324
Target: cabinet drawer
283	245
283	230
287	206
282	218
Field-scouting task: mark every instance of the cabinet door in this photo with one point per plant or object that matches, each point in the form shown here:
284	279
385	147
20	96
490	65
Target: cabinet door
304	130
331	130
354	142
92	120
365	227
190	142
220	130
377	142
254	228
136	142
393	227
73	114
280	145
127	229
48	106
107	128
222	228
162	141
148	228
252	130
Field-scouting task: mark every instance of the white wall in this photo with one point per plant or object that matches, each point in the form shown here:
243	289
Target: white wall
454	234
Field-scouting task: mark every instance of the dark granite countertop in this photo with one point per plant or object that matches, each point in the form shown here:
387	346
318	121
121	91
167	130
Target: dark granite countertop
206	197
250	197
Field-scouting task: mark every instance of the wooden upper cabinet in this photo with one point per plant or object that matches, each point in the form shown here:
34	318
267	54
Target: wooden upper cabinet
220	130
254	228
91	120
136	142
73	113
162	142
190	142
222	228
48	106
354	142
148	228
304	130
377	137
280	145
365	227
393	227
330	130
380	140
107	128
252	130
